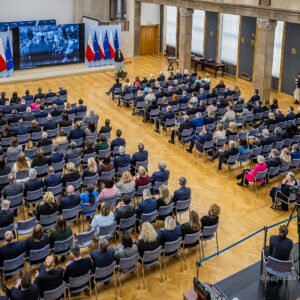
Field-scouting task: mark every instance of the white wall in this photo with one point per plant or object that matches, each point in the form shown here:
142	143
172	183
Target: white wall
29	10
150	14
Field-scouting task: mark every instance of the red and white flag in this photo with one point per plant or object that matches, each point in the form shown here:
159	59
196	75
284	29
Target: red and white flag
100	43
2	57
111	46
89	53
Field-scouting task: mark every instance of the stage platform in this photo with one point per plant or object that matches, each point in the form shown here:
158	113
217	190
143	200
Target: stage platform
53	72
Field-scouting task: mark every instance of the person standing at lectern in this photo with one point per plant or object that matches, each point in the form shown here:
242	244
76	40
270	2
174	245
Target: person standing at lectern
119	58
297	90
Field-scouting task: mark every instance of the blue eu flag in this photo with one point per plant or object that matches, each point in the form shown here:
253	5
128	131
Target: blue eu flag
96	48
116	41
8	55
106	47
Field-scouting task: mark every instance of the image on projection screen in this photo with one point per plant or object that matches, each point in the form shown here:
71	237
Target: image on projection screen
48	45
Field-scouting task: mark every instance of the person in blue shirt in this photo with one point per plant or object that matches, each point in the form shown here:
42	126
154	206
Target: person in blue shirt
21	129
198	121
183	193
171	232
89	198
162	175
295	153
243	146
204	136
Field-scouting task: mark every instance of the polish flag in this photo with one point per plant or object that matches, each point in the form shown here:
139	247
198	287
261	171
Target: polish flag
100	43
2	57
111	46
89	53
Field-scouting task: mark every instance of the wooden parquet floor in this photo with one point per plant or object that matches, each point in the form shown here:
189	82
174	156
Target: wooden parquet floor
242	212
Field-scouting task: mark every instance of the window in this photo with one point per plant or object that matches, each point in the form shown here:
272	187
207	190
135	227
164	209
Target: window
229	38
277	49
198	32
171	25
118	9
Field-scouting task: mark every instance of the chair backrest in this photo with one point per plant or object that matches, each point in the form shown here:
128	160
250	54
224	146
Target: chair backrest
127	224
25	227
158	184
154	113
140	189
79	283
71	214
3	180
4	229
91	180
232	159
128	264
76	161
107	231
47	149
187	132
30	153
56	190
23	138
121	170
36	256
41	170
111	200
21	175
256	151
273	171
104	135
173	247
48	221
166	210
59	166
12	157
55	293
150	217
52	133
183	205
63	247
277	266
103	153
76	184
295	164
245	156
141	164
209	231
87	156
105	273
108	175
152	256
16	201
13	266
85	239
87	207
63	147
191	238
261	175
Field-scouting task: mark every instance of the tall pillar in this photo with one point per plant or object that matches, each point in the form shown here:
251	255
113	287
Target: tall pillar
137	27
78	10
264	46
185	38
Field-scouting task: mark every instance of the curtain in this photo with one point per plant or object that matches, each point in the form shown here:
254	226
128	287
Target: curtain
171	24
198	32
277	49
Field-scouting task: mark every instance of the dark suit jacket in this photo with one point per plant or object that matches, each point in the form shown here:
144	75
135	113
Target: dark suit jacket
105	129
39	161
146	206
124	212
264	141
167	116
69	201
53	180
20	130
50	125
103	259
208	120
12	189
160	176
39	96
42	114
11	250
6	217
33	185
56	157
117	142
185	125
170	235
44	142
31	293
122	161
290	116
280	248
139	156
258	109
80	108
273	162
76	133
183	193
78	268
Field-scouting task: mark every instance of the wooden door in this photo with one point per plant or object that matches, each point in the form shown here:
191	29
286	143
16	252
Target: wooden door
149	39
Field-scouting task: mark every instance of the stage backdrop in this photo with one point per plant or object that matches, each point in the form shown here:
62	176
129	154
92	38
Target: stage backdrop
6	54
101	43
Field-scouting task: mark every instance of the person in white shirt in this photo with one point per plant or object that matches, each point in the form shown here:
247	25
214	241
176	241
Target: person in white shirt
230	115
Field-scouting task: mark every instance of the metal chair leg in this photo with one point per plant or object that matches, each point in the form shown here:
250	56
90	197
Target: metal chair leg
161	277
143	273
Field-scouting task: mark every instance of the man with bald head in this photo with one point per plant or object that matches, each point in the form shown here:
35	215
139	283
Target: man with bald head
12	249
6	214
49	277
13	188
70	201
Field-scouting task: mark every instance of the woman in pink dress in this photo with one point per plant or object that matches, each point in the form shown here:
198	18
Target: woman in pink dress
109	190
35	105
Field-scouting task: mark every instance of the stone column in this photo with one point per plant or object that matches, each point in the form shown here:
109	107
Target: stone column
78	10
264	46
137	27
185	38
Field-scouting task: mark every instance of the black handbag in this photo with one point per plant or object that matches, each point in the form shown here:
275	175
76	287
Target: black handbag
200	290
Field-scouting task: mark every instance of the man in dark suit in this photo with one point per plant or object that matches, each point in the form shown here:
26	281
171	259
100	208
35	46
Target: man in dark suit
191	109
13	188
62	91
186	124
148	205
80	266
122	160
33	184
58	101
274	159
70	201
295	153
49	277
27	96
204	136
42	114
28	115
12	249
73	152
183	193
265	140
290	115
168	115
14	118
255	97
118	141
183	98
106	128
21	106
40	94
50	94
7	109
6	214
77	132
280	117
80	107
53	179
161	76
21	128
258	108
162	175
103	257
141	155
56	156
116	85
50	124
44	141
124	210
224	155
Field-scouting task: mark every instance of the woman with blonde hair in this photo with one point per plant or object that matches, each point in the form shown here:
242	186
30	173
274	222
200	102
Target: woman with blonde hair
142	178
193	226
48	206
207	78
92	168
285	156
213	216
148	239
165	197
21	166
232	129
69	110
126	184
71	174
171	231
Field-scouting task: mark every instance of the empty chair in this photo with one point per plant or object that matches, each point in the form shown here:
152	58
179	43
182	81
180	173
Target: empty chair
86	239
62	248
48	221
39	256
208	233
25	227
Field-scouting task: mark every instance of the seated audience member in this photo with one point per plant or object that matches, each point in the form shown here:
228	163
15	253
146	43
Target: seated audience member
14	119
33	184
106	165
116	85
290	115
168	115
183	193
213	216
243	146
165	197
50	124
232	129
142	178
71	199
212	108
44	141
104	256
91	129
50	94
61	138
8	133
48	277
186	124
219	133
53	179
40	94
61	231
65	122
171	231
224	155
80	107
204	136
295	153
109	190
40	159
273	160
284	191
126	184
105	218
21	129
118	141
230	115
198	121
271	120
274	104
27	96
5	169
92	168
106	128
77	132
14	147
127	248
58	101
249	176
141	155
89	198
148	238
71	174
148	205
37	240
265	139
42	113
255	97
56	155
6	214
21	166
102	144
285	156
124	209
162	175
13	188
193	226
12	249
73	152
69	110
277	135
46	207
258	108
280	246
79	266
55	112
91	118
122	160
34	127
